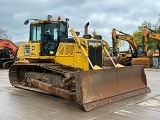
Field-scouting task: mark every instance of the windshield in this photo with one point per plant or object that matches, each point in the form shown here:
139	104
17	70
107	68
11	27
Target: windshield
51	32
140	52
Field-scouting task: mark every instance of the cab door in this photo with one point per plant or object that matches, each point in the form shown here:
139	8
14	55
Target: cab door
50	40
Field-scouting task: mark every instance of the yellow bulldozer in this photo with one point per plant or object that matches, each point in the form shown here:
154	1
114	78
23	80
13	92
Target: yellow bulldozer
72	67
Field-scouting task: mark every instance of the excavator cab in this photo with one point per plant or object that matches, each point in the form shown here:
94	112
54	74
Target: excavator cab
72	68
4	53
140	52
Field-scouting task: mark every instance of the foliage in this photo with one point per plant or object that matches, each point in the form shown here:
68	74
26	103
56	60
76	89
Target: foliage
138	35
144	23
3	34
152	44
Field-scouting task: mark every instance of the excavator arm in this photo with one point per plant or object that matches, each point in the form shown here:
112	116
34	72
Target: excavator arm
145	39
147	35
156	36
125	37
114	42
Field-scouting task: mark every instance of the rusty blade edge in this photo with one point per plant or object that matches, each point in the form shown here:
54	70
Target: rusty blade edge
90	106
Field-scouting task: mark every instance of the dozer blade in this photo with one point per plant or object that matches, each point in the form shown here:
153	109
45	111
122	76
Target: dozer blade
99	87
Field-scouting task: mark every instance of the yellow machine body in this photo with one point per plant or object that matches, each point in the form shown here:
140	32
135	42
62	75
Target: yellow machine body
67	54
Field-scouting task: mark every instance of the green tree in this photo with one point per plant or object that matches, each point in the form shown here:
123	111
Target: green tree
3	34
138	35
144	23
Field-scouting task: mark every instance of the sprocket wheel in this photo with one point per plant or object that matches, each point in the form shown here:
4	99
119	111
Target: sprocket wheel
22	76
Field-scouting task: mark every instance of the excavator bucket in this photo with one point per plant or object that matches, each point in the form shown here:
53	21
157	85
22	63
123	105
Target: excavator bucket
107	61
99	87
146	62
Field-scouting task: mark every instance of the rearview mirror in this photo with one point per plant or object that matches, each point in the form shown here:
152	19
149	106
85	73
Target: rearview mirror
26	22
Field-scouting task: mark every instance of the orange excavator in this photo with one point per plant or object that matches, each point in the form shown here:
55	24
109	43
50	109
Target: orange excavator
139	54
125	58
148	33
144	55
8	52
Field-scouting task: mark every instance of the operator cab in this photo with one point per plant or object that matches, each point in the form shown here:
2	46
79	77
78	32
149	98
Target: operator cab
4	53
140	52
48	33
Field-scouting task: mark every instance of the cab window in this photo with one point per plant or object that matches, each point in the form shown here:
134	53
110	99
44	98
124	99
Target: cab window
51	32
36	33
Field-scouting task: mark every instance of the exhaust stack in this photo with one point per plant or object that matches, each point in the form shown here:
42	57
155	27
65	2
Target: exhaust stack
86	28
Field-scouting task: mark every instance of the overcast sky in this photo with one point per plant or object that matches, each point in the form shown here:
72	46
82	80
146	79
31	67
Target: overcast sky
103	15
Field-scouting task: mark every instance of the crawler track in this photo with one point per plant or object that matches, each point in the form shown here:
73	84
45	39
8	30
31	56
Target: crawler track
30	77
